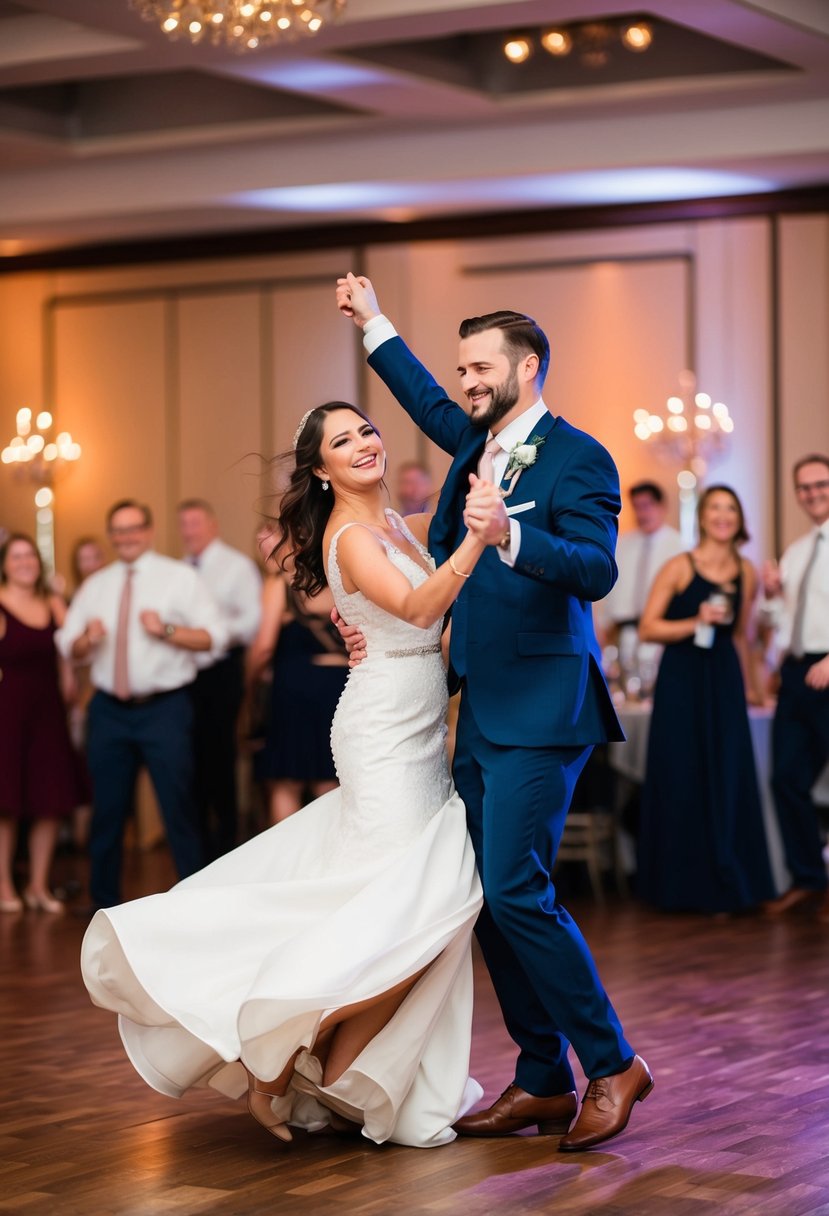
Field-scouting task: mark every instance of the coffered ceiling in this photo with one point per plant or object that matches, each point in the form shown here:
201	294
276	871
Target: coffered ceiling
405	109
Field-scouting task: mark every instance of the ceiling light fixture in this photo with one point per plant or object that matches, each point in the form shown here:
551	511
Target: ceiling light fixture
518	50
242	25
592	41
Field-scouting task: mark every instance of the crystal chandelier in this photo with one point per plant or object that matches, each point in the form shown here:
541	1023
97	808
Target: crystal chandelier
242	25
692	432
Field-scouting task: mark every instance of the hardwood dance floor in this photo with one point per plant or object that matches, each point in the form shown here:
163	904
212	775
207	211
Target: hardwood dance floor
731	1016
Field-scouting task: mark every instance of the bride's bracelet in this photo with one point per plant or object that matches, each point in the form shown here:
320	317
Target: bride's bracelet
455	569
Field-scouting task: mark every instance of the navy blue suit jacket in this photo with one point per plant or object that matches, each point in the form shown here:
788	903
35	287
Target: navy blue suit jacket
522	636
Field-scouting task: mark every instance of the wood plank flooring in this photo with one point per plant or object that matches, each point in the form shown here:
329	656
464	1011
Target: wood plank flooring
732	1017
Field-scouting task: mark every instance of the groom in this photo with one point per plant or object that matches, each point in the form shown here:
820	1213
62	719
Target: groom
533	699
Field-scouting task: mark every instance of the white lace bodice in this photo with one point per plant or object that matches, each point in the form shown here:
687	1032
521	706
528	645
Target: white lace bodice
389	732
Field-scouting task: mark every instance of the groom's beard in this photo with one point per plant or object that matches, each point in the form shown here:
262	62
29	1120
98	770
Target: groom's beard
503	398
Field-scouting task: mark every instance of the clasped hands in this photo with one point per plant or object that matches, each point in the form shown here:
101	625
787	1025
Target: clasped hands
484	513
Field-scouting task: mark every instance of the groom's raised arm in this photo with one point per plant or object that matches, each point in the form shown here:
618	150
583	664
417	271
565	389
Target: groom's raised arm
423	399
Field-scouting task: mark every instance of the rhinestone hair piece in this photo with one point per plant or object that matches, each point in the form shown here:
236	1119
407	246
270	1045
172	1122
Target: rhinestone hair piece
301	426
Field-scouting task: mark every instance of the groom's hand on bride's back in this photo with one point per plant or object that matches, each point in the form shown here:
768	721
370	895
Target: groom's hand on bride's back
353	639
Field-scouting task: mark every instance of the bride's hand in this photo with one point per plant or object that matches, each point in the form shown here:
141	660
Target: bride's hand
353	639
356	298
485	514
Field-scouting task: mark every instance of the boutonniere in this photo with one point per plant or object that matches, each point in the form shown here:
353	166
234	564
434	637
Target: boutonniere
521	457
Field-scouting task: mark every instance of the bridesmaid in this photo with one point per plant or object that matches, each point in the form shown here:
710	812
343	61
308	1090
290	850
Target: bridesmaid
38	775
702	843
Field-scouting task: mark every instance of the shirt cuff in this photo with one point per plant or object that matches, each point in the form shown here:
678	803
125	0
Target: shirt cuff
377	331
510	555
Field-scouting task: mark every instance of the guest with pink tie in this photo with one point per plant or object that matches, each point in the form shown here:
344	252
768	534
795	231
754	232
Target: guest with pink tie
141	621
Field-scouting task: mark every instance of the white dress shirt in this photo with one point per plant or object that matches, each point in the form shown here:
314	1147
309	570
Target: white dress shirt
235	583
378	330
780	611
163	585
639	557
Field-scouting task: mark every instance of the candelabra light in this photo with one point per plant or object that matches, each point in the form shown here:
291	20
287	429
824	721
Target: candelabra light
34	456
242	25
692	432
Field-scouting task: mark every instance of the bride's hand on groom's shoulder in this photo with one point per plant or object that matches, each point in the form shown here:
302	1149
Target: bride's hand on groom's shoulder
353	639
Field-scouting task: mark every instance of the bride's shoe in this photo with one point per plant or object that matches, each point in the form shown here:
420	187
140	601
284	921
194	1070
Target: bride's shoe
259	1105
43	903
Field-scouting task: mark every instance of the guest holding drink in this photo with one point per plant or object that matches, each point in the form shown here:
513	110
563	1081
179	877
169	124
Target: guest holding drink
702	844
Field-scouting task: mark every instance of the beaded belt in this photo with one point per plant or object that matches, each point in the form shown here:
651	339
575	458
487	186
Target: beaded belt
414	650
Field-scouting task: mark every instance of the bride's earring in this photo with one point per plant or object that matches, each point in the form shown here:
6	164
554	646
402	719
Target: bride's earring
325	485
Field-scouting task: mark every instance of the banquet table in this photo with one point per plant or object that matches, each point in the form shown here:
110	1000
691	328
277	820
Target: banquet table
630	759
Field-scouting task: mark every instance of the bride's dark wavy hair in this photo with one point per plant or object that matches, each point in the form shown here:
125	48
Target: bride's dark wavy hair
305	507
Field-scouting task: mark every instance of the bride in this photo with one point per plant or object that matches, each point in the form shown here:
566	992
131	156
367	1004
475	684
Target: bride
323	968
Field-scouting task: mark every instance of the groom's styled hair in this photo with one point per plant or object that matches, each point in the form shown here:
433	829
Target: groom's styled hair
521	336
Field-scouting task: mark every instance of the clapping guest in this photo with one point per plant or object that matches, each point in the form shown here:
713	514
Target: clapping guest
37	768
236	586
309	668
702	843
141	621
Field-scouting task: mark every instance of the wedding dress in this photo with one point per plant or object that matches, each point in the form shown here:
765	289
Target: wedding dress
349	897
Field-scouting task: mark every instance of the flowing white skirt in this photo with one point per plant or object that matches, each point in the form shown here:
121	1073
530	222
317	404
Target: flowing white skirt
240	963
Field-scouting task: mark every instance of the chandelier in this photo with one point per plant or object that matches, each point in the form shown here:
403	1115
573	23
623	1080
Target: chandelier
591	41
35	455
692	432
242	25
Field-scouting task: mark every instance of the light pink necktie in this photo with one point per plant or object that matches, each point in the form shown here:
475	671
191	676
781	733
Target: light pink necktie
486	465
121	680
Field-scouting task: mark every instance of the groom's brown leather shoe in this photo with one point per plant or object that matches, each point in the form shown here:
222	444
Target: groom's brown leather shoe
516	1109
607	1104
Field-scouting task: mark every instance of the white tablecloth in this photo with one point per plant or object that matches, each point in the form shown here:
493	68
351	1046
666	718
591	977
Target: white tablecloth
630	759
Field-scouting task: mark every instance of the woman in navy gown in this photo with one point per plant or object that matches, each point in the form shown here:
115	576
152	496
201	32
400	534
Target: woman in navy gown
702	843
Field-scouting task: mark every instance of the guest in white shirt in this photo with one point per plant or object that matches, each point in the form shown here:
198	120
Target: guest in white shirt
797	604
236	585
141	621
640	553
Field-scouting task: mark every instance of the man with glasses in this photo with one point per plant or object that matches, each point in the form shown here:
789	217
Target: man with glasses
797	603
141	621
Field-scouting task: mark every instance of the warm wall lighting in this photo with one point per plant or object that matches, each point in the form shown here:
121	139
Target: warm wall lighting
34	456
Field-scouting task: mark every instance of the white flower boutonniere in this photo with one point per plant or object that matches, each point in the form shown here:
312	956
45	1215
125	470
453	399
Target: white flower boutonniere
521	457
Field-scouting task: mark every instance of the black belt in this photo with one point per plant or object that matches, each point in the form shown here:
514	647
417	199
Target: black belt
633	622
805	658
133	702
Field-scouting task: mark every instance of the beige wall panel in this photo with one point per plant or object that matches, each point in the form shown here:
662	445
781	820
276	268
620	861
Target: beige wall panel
109	374
804	364
21	384
314	356
219	402
734	361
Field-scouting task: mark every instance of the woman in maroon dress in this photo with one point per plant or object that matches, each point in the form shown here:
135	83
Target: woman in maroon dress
38	772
